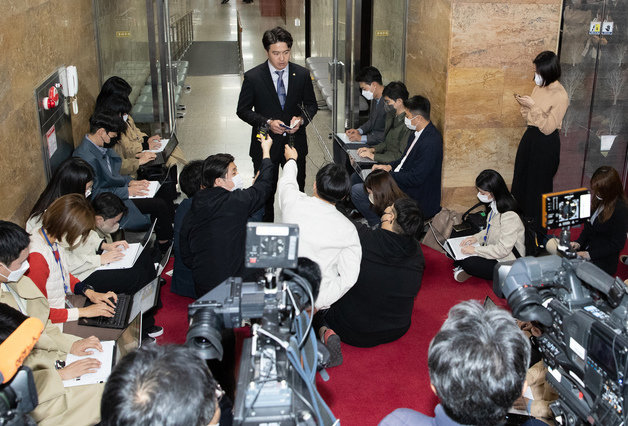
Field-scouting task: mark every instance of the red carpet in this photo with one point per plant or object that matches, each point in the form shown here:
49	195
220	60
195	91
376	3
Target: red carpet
372	382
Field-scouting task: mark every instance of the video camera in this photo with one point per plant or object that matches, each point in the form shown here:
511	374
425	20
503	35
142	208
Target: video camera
18	394
276	382
583	312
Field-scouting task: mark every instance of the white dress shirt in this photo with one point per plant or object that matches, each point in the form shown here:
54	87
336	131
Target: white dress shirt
403	160
325	236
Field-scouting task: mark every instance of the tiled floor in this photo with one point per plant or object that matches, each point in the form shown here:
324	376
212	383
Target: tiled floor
211	125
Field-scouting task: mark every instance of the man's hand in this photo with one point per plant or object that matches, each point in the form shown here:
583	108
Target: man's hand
350	132
275	127
145	157
363	151
141	183
97	310
154	141
79	348
116	245
78	368
353	135
266	143
584	254
110	256
296	121
384	167
290	152
135	191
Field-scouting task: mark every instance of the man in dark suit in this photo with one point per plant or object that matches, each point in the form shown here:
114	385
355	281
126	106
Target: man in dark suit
418	173
373	131
278	93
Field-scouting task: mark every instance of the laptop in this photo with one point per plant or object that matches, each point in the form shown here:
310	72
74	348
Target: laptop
130	254
113	351
353	153
127	307
163	152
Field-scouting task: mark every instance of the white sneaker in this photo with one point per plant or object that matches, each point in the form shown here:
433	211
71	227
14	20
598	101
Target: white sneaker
460	275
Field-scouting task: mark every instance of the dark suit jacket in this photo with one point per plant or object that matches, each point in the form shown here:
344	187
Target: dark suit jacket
420	176
111	181
605	240
259	102
375	127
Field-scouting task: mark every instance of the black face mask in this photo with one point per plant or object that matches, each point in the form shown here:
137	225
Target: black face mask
112	142
388	108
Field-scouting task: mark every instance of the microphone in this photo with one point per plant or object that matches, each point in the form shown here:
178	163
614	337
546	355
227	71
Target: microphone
17	346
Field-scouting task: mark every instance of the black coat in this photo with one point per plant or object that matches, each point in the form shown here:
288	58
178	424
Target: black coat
378	308
605	240
213	233
420	175
259	102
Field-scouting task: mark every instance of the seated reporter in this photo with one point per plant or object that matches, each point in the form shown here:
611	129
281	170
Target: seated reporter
95	149
69	219
161	386
382	191
418	173
57	405
502	240
604	234
378	308
477	365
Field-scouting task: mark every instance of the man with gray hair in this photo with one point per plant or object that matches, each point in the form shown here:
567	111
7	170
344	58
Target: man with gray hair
477	363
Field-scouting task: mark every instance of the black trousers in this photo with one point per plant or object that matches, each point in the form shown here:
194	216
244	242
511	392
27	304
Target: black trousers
478	266
269	207
536	163
159	207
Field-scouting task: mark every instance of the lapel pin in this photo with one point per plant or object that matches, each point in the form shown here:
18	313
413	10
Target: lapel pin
293	74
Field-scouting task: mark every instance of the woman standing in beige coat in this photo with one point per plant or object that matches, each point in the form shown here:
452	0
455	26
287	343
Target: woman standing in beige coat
501	240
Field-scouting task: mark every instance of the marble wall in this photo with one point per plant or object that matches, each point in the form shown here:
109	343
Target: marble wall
36	37
388	32
321	35
295	23
469	57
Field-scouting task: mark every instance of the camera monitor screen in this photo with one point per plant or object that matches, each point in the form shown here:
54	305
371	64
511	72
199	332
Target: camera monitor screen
566	208
271	245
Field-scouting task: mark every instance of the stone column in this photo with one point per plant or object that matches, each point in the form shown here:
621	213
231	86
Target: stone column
468	57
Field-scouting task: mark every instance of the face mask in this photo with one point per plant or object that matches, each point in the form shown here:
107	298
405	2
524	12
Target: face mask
371	199
409	124
237	182
538	79
125	117
368	95
88	192
388	108
484	198
14	276
110	230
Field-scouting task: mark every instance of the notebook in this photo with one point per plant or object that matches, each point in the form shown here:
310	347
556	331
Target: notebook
131	253
113	351
451	245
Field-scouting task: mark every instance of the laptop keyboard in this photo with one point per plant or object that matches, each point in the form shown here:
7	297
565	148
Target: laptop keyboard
118	319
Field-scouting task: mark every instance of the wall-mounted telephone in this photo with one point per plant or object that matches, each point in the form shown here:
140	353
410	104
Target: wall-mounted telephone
69	85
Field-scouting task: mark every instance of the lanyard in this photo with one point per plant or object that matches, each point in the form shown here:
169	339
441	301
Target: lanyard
18	299
488	226
57	256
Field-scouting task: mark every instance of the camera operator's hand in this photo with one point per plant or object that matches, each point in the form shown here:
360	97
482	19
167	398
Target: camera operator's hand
266	143
574	245
78	368
79	348
584	254
290	152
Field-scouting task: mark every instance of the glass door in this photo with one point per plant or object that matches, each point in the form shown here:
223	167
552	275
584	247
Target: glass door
594	57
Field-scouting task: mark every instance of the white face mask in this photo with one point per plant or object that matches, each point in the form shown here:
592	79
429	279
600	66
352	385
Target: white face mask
367	94
484	198
538	79
110	230
409	124
88	192
14	276
125	117
371	199
238	183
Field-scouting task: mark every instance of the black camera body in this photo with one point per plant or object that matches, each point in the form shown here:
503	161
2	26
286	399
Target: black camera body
276	379
584	315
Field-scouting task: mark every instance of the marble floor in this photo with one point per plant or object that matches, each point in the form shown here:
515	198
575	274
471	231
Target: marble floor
211	125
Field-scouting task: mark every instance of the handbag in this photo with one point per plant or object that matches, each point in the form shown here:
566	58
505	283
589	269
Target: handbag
440	228
472	223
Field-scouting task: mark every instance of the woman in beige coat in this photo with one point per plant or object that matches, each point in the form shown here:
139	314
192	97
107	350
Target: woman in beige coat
501	240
